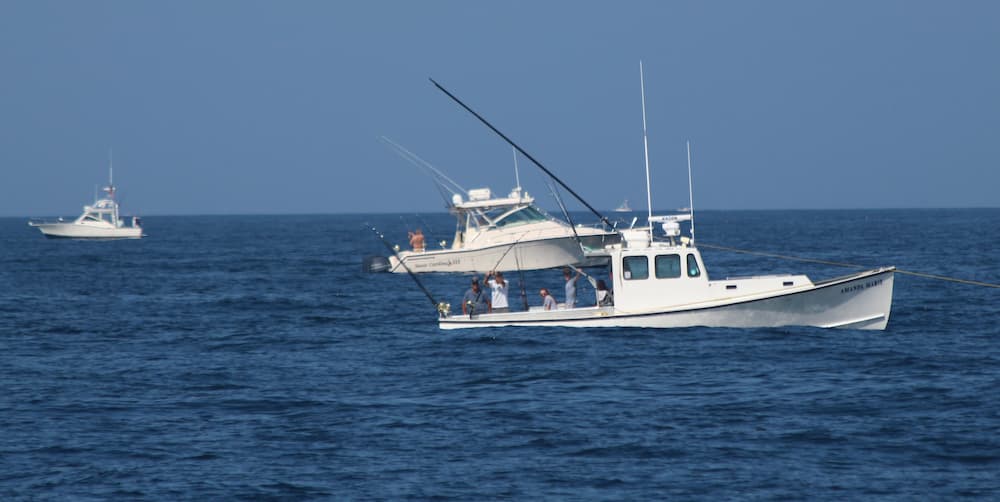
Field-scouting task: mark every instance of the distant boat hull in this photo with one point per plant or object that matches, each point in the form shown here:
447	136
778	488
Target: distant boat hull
857	301
83	231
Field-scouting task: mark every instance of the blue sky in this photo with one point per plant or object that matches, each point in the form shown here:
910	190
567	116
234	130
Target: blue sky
218	107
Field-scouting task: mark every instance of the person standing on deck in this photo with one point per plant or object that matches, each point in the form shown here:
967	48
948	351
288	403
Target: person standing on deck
548	302
604	296
417	240
570	287
475	300
498	286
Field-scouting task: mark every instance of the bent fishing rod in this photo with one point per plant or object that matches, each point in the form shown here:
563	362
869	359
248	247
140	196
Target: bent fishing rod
562	206
603	218
440	306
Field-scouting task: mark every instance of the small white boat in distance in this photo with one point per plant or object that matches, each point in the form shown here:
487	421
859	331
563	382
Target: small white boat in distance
665	285
504	233
623	208
98	221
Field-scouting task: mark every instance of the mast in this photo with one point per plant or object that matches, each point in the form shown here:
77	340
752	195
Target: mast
645	149
111	187
690	192
517	176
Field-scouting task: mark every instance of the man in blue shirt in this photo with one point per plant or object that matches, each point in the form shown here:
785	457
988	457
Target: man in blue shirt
475	300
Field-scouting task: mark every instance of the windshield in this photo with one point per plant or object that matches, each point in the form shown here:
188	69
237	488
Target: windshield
527	214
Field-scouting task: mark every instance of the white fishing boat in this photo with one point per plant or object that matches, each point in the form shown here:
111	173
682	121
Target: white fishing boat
659	284
98	221
624	208
663	283
495	233
505	233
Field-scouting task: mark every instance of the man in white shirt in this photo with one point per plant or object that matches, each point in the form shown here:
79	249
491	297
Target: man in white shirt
499	289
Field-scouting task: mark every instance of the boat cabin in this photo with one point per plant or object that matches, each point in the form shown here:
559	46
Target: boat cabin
647	274
483	213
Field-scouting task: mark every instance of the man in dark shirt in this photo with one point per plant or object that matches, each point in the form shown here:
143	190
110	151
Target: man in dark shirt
475	300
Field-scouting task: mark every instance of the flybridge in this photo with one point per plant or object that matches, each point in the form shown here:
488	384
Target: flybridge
483	198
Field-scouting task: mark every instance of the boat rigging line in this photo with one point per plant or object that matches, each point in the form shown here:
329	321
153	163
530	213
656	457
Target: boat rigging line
850	265
603	218
441	180
440	306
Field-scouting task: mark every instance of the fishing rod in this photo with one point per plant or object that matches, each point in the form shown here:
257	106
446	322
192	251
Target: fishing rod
504	255
441	307
524	293
562	206
518	262
590	278
526	154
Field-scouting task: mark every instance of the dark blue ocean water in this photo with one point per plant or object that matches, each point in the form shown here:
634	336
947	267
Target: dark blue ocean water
248	357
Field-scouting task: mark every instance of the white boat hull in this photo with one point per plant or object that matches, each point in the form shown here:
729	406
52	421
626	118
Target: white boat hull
83	231
858	301
527	255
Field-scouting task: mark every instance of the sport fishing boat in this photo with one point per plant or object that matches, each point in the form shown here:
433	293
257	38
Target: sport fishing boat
506	234
664	284
496	233
624	208
98	221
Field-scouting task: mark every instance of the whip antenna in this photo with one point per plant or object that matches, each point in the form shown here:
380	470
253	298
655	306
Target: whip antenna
645	149
690	192
517	176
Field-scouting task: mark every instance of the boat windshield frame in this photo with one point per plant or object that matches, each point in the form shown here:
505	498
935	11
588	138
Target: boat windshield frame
523	215
503	216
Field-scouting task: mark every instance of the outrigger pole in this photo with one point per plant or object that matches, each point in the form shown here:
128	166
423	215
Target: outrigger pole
565	213
526	154
440	306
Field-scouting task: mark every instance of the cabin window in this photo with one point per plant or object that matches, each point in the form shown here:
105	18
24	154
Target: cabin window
668	266
693	269
635	267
